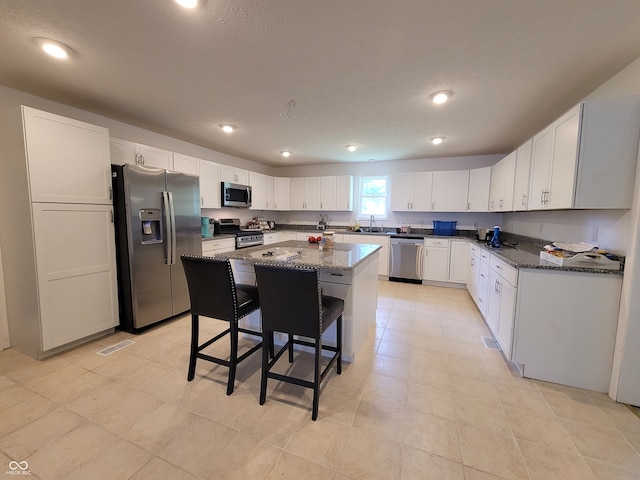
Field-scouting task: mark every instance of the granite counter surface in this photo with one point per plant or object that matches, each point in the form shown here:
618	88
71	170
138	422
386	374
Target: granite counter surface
522	257
344	256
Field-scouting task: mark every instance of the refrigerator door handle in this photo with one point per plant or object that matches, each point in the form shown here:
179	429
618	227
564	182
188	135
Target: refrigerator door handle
174	236
169	226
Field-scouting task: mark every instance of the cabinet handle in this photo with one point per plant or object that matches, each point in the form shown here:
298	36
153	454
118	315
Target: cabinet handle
433	206
320	204
110	193
524	199
468	205
408	205
111	215
501	203
201	201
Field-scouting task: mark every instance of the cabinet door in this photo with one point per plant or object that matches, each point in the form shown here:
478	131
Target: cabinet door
258	191
186	164
268	184
564	160
473	275
312	193
458	260
436	264
286	236
421	189
401	192
506	320
506	202
156	157
523	171
540	168
344	193
75	255
328	193
497	186
234	175
493	312
69	161
383	257
210	196
450	191
483	287
479	186
123	152
281	193
297	194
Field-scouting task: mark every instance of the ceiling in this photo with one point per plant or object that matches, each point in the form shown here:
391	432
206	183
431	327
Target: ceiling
312	76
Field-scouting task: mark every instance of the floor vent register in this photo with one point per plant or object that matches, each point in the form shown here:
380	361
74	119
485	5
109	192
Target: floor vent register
490	343
116	347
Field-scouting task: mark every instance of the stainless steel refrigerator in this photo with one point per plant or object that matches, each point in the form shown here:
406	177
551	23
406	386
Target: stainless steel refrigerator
157	217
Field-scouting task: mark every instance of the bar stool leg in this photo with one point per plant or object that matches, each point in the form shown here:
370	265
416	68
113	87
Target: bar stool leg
339	343
316	379
195	325
267	347
233	359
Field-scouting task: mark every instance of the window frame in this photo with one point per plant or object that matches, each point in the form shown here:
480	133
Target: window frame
387	204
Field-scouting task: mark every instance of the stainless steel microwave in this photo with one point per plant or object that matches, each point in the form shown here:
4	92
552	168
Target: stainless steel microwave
234	195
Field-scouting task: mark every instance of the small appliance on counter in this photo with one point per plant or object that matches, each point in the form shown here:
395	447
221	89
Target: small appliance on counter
205	227
484	234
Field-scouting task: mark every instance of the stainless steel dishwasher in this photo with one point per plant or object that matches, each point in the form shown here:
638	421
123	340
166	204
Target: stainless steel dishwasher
406	259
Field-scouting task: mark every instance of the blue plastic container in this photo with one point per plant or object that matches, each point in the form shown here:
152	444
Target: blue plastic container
444	228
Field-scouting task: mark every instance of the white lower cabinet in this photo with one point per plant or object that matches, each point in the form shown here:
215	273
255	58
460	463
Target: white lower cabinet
473	271
435	265
502	302
75	258
483	283
286	236
458	260
270	238
218	245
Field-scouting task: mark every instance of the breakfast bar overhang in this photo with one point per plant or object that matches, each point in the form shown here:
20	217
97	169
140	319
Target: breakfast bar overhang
347	271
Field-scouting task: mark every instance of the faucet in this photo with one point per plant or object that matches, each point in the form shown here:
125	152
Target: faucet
372	223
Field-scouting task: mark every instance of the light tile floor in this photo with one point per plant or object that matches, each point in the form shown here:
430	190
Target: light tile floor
424	400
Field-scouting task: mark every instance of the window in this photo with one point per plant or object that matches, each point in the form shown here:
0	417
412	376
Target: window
374	198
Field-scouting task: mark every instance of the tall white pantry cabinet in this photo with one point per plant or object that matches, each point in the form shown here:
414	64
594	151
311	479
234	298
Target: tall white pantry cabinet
56	231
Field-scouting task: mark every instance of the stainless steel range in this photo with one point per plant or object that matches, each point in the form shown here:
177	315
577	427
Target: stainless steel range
244	237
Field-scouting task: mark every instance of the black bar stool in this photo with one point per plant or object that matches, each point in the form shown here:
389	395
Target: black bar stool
292	303
214	293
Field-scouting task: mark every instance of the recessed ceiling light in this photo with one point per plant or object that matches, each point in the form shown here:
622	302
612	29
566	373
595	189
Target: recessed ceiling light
441	96
352	148
285	153
437	140
187	3
53	48
227	128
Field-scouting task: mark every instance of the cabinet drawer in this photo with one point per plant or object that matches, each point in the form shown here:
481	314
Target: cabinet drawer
336	276
505	270
436	242
474	249
484	255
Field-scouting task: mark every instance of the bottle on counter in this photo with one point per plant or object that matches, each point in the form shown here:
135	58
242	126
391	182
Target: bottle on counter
495	240
328	240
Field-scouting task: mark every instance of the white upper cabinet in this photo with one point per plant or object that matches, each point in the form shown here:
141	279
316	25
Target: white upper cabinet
261	191
479	186
186	164
336	193
523	170
344	193
281	193
502	184
411	192
305	193
328	193
69	161
123	152
234	175
210	191
586	159
450	191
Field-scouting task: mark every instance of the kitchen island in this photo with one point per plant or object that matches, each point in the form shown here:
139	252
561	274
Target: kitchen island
347	271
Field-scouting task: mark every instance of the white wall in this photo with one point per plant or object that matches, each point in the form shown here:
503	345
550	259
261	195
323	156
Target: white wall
4	323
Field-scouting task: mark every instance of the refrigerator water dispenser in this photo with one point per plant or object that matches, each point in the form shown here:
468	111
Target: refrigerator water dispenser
150	222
